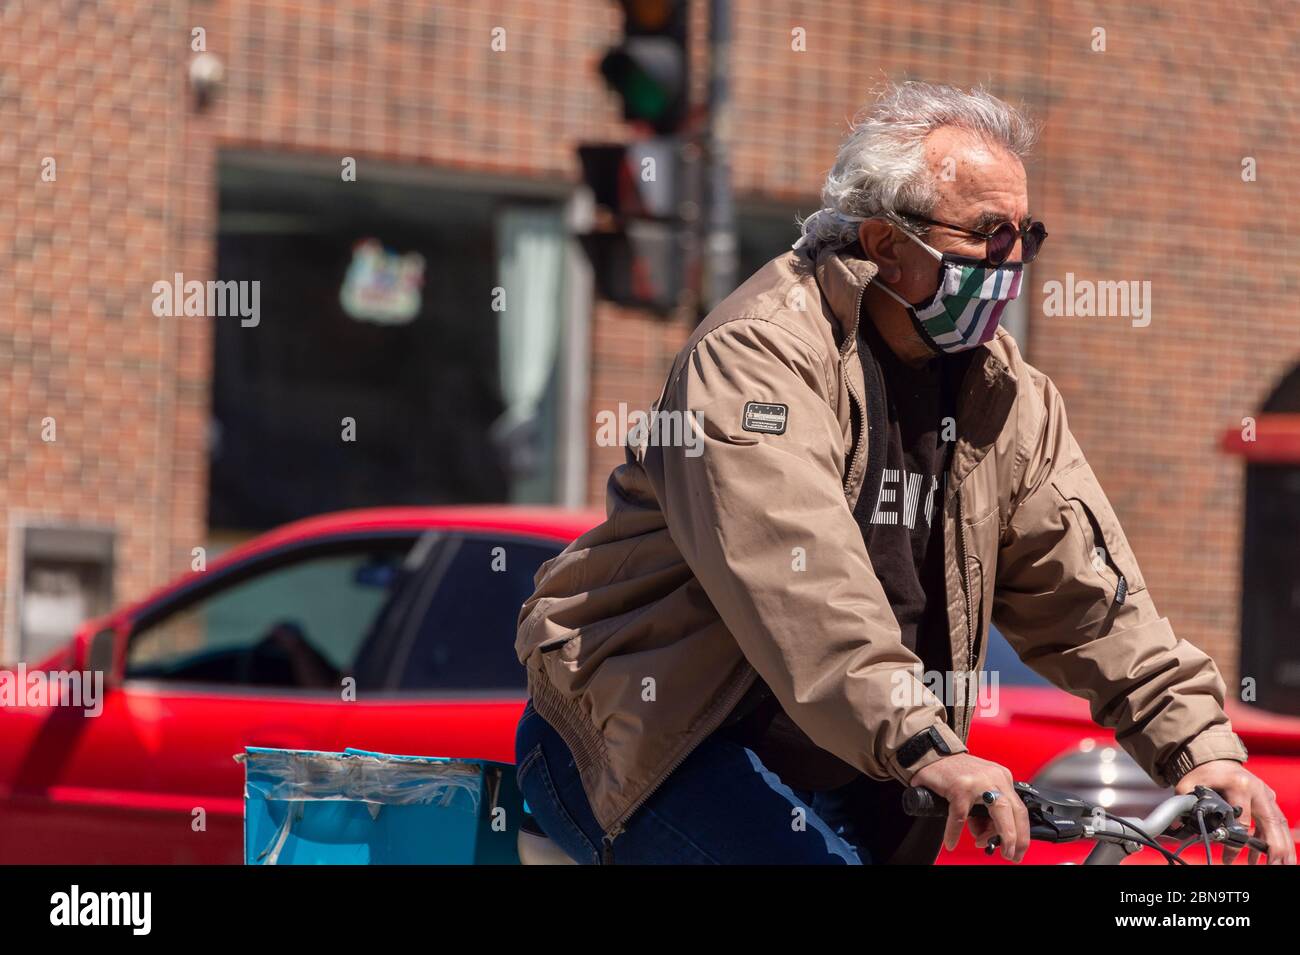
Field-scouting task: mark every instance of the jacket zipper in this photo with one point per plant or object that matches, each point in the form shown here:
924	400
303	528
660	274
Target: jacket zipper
614	831
853	397
970	624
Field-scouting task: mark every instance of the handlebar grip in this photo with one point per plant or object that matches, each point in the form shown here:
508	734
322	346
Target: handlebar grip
920	801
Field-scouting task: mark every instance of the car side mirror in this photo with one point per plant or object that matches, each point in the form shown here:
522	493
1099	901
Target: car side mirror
99	652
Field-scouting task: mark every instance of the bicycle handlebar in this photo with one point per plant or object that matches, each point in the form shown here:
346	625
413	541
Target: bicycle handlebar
920	801
1061	817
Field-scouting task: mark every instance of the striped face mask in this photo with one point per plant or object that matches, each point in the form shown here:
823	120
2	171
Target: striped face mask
964	310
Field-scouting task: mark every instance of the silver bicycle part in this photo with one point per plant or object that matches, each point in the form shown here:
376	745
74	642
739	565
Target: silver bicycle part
1115	841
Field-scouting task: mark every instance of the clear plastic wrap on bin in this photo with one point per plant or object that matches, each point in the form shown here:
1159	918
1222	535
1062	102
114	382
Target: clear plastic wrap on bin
285	775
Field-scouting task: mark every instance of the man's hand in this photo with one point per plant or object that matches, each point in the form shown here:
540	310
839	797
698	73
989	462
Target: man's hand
962	780
1240	787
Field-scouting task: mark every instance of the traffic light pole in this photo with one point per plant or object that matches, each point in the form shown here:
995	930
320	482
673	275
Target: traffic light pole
720	249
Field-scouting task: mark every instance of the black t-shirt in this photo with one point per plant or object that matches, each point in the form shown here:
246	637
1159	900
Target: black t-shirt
900	513
900	509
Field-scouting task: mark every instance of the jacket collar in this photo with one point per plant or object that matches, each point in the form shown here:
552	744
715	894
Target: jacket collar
988	388
843	279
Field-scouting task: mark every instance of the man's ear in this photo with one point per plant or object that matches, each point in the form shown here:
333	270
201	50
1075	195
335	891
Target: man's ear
880	242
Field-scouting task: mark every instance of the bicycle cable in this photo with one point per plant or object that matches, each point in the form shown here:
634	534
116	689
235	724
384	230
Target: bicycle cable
1146	840
1205	836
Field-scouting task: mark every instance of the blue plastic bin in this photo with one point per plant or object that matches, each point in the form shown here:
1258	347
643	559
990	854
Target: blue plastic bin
303	807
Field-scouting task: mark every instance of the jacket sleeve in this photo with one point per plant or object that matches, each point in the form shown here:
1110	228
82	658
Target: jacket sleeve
1071	600
762	520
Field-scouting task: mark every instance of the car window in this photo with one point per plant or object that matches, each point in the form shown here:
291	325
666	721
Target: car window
465	636
296	624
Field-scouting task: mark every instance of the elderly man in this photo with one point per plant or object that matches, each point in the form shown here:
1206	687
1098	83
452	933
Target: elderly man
731	668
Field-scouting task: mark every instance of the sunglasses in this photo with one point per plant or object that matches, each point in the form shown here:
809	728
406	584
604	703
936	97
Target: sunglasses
999	243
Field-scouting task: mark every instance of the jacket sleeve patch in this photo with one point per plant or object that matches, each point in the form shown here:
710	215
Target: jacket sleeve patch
765	418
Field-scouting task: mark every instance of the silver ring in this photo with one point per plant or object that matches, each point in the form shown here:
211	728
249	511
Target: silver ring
990	796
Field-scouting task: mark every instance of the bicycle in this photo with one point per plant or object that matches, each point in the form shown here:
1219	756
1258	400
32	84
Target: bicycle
1201	815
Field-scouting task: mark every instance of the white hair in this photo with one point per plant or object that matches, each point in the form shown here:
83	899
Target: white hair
881	168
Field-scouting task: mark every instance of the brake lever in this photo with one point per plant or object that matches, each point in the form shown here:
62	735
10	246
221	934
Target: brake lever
1214	808
1053	816
1220	820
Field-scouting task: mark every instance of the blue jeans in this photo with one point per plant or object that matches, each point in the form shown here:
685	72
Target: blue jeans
721	806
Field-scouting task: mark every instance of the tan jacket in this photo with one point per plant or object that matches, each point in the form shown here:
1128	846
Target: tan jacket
746	558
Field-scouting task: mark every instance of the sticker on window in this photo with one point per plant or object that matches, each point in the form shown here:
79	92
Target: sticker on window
765	418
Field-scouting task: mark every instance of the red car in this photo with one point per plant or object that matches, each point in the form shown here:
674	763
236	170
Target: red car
418	607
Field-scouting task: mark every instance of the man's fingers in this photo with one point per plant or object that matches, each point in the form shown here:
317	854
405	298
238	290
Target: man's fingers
1022	823
981	828
1269	824
1004	821
957	815
1244	801
1273	830
1260	812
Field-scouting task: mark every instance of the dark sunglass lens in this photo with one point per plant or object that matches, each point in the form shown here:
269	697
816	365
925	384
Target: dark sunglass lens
1001	243
1034	240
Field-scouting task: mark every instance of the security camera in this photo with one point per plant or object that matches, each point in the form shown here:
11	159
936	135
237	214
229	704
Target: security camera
206	75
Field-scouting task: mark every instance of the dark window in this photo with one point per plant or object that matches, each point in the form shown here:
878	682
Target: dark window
763	234
466	634
1270	572
298	623
381	363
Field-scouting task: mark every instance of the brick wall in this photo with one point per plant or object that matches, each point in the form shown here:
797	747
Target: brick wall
1138	178
97	89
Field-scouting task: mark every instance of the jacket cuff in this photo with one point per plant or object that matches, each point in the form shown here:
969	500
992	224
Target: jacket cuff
950	741
1217	742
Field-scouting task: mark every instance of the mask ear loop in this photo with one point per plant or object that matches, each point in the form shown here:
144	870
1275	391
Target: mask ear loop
892	294
893	219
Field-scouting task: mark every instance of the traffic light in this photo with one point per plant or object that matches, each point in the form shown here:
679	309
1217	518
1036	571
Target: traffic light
642	266
647	194
650	68
643	247
643	179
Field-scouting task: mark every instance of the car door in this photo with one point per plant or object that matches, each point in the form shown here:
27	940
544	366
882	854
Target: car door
447	683
259	654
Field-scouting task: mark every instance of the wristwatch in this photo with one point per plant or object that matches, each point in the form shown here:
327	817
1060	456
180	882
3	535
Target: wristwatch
928	739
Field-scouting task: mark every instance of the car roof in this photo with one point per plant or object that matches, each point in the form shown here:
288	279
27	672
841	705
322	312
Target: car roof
535	521
558	524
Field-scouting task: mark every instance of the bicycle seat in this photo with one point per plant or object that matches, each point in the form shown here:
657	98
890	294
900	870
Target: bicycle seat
536	847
